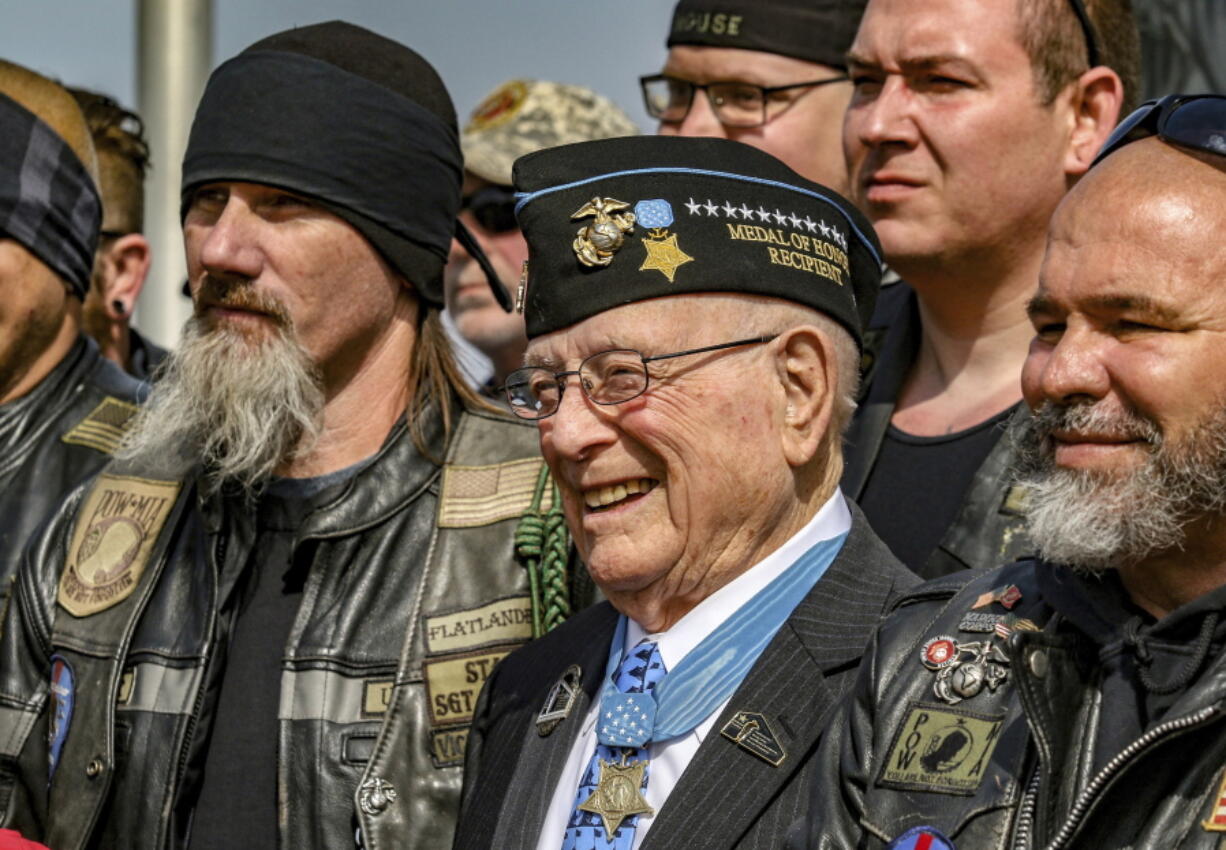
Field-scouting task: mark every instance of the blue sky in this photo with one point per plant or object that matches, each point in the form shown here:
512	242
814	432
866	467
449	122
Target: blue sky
475	44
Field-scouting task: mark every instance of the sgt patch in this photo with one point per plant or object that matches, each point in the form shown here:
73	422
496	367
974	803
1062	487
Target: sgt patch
1216	822
940	749
454	683
113	539
63	696
104	427
921	838
481	495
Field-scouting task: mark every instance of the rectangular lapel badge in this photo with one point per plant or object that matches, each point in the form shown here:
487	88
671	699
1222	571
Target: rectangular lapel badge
941	749
751	731
112	541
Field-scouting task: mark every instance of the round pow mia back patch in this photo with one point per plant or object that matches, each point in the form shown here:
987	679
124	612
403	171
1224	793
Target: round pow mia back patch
113	539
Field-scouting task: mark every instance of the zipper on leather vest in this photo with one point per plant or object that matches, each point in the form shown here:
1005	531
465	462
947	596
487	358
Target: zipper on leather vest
1087	797
219	553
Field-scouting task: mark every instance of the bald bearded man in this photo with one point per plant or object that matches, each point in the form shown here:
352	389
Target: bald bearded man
1075	700
63	407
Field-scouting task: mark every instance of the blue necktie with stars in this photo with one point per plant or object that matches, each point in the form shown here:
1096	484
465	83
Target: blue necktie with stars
638	673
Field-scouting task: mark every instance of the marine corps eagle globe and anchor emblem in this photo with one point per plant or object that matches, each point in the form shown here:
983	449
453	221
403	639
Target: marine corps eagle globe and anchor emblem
596	243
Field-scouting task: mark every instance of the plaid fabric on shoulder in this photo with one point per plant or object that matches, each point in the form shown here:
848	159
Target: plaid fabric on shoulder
48	201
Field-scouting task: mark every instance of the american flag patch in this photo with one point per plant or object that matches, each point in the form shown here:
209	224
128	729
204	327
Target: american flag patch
1216	822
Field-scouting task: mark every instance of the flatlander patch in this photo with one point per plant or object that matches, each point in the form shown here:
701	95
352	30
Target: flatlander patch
112	541
941	749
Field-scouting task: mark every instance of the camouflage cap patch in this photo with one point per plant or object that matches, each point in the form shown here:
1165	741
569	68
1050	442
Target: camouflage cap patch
523	116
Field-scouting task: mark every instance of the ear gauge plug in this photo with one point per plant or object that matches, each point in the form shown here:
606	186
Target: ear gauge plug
119	307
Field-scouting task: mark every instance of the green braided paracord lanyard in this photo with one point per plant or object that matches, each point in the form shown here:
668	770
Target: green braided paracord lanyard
542	546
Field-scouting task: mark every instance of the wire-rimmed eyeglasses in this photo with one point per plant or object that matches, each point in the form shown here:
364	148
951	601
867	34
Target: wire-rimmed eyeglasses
606	377
668	99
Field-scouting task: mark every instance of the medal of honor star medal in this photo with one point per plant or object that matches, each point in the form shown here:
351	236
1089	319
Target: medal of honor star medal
618	794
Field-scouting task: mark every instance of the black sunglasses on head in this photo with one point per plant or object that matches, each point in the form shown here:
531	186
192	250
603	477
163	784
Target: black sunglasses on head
493	207
1192	120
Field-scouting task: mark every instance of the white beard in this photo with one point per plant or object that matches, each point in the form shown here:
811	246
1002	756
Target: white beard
243	406
1094	521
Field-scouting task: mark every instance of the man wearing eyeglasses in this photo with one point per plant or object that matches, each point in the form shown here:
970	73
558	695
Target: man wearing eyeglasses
1078	699
691	365
769	73
969	122
517	118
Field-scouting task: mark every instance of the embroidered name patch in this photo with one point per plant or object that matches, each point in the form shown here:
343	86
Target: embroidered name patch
104	427
453	685
480	495
447	746
112	541
503	621
941	749
377	697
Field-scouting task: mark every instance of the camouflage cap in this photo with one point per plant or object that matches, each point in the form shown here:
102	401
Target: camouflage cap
524	116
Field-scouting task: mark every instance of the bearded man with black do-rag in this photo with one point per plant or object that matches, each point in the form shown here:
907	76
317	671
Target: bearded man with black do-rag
266	624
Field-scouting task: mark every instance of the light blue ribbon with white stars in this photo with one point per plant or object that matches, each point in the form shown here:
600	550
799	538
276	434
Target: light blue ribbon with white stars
714	669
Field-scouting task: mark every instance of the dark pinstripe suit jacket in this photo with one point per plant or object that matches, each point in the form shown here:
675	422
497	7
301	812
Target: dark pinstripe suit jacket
727	797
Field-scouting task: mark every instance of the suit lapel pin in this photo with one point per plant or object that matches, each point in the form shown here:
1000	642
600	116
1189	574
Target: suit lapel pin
561	699
751	731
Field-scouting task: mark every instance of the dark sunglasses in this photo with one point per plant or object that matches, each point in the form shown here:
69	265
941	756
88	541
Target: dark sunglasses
493	207
1192	120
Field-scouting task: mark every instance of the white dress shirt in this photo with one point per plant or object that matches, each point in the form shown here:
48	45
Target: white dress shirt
670	758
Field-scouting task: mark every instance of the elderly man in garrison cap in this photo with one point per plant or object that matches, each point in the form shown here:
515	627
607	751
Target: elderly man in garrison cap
519	117
770	73
63	407
1078	700
268	623
690	373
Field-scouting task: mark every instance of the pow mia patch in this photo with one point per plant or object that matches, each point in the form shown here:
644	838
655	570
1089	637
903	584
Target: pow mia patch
112	541
941	749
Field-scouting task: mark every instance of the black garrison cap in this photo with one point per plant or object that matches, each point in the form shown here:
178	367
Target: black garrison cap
816	30
616	221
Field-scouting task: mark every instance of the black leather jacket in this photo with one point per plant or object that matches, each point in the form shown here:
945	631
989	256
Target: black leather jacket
1011	767
53	438
990	526
412	594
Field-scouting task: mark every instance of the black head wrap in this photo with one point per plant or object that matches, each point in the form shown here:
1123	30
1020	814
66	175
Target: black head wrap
355	121
48	201
815	30
623	220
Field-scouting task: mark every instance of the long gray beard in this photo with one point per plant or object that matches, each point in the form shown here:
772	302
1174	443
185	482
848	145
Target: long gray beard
242	406
1094	521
